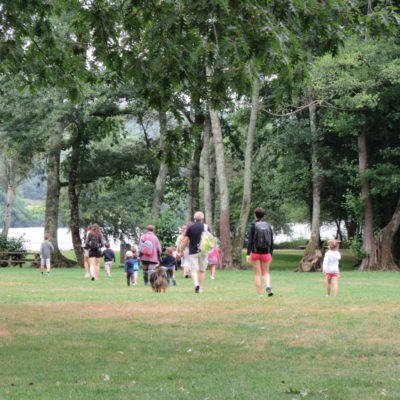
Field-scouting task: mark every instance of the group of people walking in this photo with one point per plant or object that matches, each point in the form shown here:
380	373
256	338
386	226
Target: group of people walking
194	261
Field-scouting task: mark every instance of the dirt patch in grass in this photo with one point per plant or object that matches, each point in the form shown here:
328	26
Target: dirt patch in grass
4	332
9	283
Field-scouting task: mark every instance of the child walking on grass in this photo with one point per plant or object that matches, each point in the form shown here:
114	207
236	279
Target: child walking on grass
330	266
109	257
169	261
46	249
131	267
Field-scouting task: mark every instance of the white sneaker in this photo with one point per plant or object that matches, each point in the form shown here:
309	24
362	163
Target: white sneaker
87	275
201	290
212	277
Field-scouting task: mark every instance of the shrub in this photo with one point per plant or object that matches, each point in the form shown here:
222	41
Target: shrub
12	244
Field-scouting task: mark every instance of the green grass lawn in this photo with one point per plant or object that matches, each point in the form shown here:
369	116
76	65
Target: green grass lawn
66	337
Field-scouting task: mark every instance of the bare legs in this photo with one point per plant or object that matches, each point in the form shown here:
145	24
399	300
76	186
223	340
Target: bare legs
333	280
95	267
86	264
198	277
186	271
212	269
261	269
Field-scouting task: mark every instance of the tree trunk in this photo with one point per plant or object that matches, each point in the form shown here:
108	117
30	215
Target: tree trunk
208	205
351	228
162	173
10	195
384	254
368	262
213	183
52	200
312	248
74	204
339	234
247	178
224	223
194	181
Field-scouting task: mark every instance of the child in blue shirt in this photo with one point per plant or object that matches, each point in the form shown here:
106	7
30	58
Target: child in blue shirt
109	256
131	267
169	261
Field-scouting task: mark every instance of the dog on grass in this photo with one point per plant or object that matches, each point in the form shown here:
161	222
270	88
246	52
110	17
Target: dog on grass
158	280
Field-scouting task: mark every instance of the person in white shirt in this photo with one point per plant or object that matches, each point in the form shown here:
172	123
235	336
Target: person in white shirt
330	266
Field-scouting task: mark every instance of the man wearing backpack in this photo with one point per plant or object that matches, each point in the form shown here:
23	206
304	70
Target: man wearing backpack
198	260
259	251
149	252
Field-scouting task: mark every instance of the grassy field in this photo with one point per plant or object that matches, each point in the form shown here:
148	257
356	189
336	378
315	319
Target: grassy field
66	337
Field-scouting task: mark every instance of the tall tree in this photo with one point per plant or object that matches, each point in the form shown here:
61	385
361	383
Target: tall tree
364	73
247	176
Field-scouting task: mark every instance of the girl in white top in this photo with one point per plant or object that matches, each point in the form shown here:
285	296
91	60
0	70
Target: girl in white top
330	266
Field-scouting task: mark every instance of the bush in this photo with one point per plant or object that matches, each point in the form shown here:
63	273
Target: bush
12	244
356	248
167	228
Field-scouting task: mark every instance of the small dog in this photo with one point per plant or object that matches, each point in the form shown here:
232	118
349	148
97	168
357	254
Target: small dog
158	280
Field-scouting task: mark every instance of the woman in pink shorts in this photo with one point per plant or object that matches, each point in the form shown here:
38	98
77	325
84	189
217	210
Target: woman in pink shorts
259	251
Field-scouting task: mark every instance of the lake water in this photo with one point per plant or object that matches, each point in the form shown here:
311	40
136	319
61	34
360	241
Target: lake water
34	236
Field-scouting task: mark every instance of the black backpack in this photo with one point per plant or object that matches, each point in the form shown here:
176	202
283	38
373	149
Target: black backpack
95	243
262	235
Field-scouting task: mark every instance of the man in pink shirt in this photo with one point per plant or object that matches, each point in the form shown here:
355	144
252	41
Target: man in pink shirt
149	252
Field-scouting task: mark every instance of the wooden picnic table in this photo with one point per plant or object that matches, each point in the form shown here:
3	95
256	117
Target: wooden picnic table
10	257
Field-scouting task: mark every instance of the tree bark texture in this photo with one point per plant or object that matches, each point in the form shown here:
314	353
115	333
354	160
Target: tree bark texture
52	200
384	244
74	203
208	197
163	171
369	260
312	249
247	177
226	256
10	196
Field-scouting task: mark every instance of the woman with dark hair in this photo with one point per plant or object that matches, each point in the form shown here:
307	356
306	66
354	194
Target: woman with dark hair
94	243
259	251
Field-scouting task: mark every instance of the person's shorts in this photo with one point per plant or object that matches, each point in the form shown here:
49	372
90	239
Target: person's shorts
45	261
135	273
261	257
198	262
95	253
107	264
85	252
333	275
